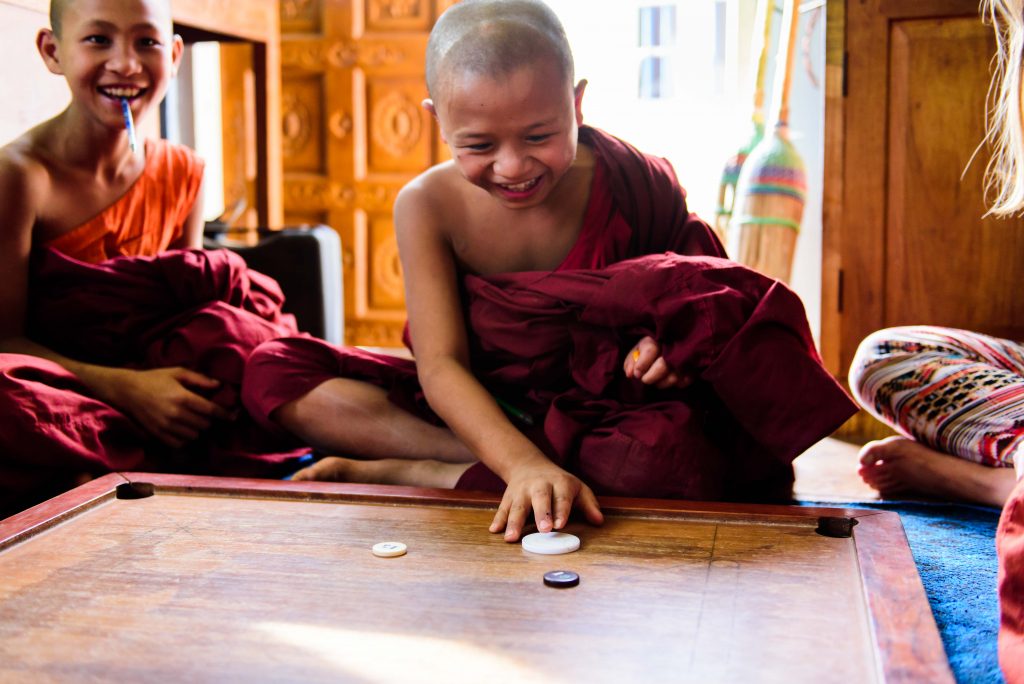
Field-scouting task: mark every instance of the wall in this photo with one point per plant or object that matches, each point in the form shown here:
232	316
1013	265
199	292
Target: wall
31	93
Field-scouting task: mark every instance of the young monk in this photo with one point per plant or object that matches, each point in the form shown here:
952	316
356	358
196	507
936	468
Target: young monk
80	189
564	346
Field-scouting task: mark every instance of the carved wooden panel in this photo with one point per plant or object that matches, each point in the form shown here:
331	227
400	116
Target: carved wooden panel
398	15
300	16
354	133
238	131
399	130
302	108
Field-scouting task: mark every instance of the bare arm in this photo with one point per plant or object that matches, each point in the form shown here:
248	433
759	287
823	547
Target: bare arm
438	331
160	400
192	234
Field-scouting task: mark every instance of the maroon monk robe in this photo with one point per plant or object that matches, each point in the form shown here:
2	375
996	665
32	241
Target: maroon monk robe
201	310
553	344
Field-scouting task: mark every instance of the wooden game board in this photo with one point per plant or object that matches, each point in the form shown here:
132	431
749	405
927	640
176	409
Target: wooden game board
170	578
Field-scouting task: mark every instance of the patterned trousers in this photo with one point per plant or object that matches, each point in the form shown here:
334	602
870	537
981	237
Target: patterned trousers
956	391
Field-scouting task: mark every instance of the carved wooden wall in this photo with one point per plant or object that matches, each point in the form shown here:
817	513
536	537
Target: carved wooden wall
353	133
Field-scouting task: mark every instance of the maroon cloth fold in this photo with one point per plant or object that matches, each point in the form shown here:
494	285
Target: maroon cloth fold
200	310
552	344
647	193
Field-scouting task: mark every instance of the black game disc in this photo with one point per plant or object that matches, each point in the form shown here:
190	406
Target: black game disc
561	579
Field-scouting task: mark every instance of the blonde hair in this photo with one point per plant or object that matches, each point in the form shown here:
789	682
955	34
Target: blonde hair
1004	176
494	38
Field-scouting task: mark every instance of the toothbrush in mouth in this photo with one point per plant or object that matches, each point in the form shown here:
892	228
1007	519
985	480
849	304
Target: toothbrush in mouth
126	111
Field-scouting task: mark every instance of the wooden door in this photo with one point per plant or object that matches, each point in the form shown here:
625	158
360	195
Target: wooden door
904	238
353	133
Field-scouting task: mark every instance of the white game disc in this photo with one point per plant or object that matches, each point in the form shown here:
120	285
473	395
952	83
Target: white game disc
551	543
389	549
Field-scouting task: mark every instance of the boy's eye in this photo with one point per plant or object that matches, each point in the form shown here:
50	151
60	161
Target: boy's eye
149	42
538	138
477	147
97	40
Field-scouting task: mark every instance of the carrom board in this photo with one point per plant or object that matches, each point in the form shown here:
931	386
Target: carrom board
142	577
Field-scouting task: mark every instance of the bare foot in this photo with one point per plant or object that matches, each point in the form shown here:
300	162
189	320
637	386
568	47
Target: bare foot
396	471
897	465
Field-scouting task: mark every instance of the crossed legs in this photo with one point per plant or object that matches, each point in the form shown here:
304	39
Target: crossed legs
958	399
355	418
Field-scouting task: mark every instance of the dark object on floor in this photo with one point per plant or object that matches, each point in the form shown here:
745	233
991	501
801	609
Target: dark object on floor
306	262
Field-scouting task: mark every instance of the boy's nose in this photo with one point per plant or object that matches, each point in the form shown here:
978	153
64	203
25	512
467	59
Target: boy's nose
124	61
510	163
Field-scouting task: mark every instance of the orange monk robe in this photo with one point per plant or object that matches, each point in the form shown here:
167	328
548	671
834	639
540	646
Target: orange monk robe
148	218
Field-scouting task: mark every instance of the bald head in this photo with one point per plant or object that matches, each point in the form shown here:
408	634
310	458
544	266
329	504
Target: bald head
58	8
494	38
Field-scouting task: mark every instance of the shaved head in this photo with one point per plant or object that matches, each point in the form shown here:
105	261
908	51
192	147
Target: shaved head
494	38
56	12
59	7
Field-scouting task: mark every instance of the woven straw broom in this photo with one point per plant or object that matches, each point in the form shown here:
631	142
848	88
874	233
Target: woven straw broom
731	173
772	186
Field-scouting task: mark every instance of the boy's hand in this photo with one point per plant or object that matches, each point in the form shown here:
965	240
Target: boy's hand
645	363
163	403
547	491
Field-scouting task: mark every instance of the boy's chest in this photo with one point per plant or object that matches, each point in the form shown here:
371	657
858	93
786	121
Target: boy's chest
75	199
495	244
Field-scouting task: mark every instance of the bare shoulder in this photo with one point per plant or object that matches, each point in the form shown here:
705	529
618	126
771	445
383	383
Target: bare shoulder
24	179
430	200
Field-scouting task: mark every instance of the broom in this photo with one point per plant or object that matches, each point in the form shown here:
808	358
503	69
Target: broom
772	186
731	173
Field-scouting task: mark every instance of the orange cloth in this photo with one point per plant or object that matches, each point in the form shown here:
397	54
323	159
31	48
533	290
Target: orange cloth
148	218
1010	545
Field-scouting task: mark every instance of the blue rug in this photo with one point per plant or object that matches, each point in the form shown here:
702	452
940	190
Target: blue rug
955	551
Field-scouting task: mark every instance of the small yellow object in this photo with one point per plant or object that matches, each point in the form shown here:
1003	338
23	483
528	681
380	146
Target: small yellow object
636	355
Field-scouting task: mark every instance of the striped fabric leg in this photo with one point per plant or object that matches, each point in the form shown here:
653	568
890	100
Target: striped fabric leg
957	391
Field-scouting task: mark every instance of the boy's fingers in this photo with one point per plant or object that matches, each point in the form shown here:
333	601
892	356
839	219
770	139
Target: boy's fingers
516	519
542	510
670	380
563	506
193	420
588	504
658	370
205	407
500	517
198	379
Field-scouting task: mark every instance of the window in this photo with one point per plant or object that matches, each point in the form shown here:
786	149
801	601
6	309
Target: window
657	37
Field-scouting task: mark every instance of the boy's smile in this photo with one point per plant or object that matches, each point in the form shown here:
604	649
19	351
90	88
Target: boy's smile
514	137
113	50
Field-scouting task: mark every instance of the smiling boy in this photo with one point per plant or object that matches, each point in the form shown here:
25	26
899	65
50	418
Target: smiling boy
83	205
543	269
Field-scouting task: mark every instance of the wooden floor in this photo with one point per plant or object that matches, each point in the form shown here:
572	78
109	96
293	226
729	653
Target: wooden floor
827	472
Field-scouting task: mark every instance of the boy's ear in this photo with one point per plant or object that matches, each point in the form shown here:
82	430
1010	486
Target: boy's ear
46	43
428	105
177	50
578	100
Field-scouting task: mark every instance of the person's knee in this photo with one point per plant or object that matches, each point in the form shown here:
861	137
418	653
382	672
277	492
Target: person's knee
660	452
874	352
279	372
